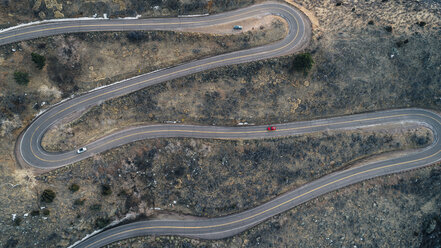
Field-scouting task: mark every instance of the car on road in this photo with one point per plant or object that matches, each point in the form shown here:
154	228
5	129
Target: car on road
81	150
237	27
271	128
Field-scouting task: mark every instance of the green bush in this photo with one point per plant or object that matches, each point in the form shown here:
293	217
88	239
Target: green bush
79	202
39	60
102	222
47	196
302	62
105	189
95	207
35	212
21	77
46	212
74	187
17	221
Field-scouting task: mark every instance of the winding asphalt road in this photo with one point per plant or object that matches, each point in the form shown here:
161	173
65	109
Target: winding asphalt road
30	152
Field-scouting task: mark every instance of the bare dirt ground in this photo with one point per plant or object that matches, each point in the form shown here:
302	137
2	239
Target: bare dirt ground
248	24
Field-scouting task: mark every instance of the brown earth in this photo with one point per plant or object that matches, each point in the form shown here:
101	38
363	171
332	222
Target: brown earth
393	211
359	66
74	63
381	70
189	176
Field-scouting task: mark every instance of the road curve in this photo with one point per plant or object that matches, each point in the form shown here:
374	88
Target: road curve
29	148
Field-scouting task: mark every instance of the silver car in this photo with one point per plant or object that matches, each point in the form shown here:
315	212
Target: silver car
81	150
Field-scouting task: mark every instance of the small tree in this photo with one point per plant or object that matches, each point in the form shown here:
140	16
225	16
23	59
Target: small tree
21	77
102	222
17	221
47	196
105	189
136	36
302	62
74	187
35	212
79	202
46	212
39	60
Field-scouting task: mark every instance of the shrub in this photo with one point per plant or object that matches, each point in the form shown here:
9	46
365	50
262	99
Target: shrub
21	78
401	43
47	196
74	187
79	202
302	62
388	29
11	243
17	221
105	189
101	222
136	36
422	24
39	60
173	4
35	212
46	212
95	207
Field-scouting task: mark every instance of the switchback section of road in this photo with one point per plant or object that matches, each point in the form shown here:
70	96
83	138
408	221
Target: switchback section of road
30	152
29	144
221	227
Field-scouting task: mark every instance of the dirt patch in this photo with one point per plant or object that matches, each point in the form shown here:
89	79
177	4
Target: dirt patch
248	24
314	21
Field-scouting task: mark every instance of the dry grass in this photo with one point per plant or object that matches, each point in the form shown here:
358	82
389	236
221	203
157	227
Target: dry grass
59	137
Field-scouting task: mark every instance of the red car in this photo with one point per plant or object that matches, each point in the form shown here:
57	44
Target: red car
272	128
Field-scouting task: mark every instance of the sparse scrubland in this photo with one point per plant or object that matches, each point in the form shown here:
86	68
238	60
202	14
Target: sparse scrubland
367	56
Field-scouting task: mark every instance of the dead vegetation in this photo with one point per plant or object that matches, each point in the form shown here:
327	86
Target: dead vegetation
74	63
196	176
14	12
359	67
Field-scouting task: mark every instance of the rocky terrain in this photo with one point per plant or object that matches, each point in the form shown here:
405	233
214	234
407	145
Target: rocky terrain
369	55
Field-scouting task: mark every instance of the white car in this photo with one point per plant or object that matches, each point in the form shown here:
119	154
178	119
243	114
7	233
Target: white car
81	150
